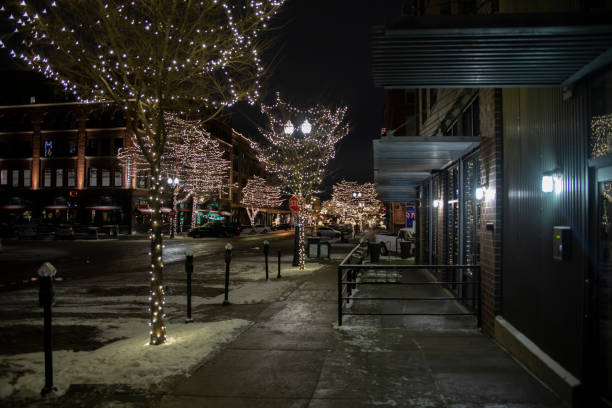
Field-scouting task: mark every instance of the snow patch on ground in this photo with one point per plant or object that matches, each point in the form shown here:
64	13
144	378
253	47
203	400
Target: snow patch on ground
256	270
131	361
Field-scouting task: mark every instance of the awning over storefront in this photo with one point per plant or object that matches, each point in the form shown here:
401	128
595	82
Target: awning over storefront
104	208
496	51
12	207
56	207
402	163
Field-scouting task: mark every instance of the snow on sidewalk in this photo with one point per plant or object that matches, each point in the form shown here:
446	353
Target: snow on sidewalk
130	361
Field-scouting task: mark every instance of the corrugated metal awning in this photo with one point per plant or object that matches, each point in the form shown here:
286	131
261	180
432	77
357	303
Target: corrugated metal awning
491	51
402	163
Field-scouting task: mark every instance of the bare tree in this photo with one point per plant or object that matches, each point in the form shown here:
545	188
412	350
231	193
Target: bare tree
149	57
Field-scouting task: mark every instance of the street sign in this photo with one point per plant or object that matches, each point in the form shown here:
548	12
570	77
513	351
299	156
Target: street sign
294	204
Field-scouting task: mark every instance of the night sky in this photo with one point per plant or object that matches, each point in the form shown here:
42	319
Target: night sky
321	56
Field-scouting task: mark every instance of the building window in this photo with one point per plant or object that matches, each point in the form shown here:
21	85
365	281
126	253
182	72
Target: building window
72	148
48	148
15	174
71	177
59	177
141	179
93	177
423	105
47	178
92	147
118	178
105	149
118	144
471	119
105	178
4	177
27	178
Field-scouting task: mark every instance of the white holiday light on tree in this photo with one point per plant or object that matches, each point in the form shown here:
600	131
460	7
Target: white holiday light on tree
149	57
354	203
257	195
193	162
298	157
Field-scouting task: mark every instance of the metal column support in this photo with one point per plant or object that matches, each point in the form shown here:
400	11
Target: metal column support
430	205
460	259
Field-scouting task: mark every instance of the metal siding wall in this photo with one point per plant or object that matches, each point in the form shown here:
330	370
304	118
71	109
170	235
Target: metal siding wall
542	297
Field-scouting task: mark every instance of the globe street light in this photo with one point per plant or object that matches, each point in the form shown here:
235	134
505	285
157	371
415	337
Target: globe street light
173	182
306	127
288	127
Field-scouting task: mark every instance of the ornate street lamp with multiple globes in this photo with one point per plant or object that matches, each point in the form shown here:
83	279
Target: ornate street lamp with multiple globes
289	129
173	182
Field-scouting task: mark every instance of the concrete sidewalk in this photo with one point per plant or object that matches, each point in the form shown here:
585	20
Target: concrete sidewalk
293	356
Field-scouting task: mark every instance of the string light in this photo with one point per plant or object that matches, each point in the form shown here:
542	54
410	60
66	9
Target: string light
354	203
298	158
258	194
148	63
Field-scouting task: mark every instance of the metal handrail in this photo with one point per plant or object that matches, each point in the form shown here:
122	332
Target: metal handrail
348	281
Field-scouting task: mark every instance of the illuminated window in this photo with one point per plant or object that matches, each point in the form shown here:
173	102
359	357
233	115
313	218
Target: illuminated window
15	178
3	177
47	178
59	177
71	182
93	177
105	178
27	178
118	178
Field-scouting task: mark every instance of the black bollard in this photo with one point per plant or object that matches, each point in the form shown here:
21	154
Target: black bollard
266	250
279	256
46	297
228	259
189	271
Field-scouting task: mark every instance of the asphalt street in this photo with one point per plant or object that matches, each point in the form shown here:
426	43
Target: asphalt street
19	260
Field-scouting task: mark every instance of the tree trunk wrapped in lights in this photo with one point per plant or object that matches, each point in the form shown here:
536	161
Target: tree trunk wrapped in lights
298	157
258	194
149	57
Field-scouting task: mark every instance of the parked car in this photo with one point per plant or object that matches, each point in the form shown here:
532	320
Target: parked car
64	231
257	229
285	226
215	230
390	242
328	232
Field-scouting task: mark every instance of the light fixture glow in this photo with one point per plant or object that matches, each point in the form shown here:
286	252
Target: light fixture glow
306	127
547	183
169	180
480	193
288	128
436	203
176	180
558	183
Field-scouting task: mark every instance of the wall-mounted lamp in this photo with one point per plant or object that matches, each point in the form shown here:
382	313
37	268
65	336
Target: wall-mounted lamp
552	181
480	192
437	203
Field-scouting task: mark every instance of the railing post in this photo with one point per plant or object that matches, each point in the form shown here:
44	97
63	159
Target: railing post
349	285
339	296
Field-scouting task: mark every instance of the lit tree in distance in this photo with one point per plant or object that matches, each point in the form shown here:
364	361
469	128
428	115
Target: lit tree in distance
149	57
258	194
193	158
298	157
354	203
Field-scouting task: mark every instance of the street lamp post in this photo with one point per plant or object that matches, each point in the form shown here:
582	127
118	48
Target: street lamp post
298	256
175	183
